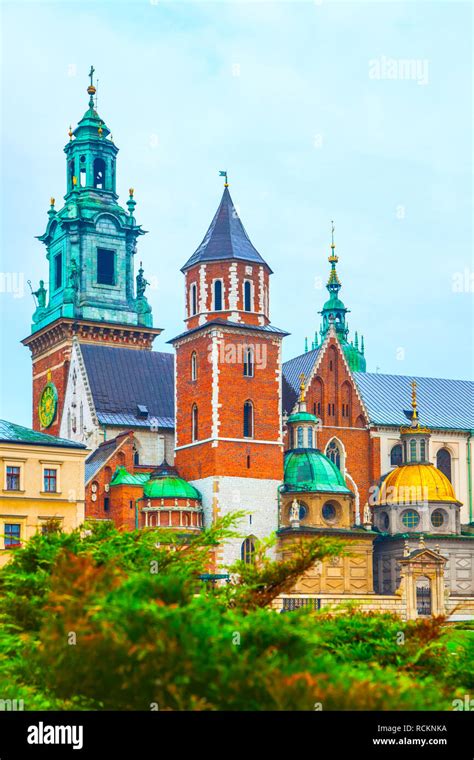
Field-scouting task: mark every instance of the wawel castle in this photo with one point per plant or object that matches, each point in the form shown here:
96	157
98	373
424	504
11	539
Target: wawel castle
213	421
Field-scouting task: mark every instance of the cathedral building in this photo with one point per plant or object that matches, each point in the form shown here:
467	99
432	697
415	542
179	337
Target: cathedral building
313	445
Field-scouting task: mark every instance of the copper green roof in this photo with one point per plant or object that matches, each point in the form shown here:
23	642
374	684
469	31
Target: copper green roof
12	433
123	477
170	488
302	417
310	470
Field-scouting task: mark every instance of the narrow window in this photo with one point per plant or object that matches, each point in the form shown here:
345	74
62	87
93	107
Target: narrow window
193	299
396	455
247	295
248	362
319	408
310	437
330	364
136	457
50	480
300	437
194	423
218	295
12	534
333	453
71	174
422	450
248	419
193	365
248	467
58	271
443	463
82	171
105	267
106	503
413	450
99	174
292	438
13	478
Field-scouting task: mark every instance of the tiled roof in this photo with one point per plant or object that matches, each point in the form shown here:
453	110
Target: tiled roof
122	378
12	433
228	323
226	238
292	370
95	461
442	404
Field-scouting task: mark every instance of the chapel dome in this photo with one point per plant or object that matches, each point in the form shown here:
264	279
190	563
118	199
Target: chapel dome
310	470
422	481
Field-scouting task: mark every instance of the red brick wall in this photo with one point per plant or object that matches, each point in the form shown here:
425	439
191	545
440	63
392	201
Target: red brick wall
58	362
118	501
332	388
221	270
229	457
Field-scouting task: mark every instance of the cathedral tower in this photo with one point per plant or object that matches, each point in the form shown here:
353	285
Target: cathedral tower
228	382
90	243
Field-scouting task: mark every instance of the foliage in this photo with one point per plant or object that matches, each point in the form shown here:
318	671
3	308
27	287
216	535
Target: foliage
102	619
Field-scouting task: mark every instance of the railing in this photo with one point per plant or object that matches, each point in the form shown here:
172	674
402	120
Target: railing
290	604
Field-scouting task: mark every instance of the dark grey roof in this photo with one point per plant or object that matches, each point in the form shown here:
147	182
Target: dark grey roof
10	432
95	461
442	404
292	370
226	238
122	378
228	323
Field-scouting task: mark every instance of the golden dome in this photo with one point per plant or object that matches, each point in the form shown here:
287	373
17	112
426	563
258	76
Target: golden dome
414	483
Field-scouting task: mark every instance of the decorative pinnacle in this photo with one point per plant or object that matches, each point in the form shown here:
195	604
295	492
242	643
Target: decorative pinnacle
91	89
224	174
52	202
302	388
131	203
70	132
414	419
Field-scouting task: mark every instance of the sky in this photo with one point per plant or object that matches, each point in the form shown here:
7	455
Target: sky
357	112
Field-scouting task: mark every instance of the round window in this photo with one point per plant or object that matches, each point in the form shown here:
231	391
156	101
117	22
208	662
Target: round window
437	518
329	512
410	518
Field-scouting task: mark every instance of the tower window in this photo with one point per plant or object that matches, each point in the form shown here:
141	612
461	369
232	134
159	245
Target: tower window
300	437
248	362
396	455
71	173
194	423
99	173
422	450
310	437
105	267
443	463
193	299
58	271
193	365
82	171
248	419
413	450
218	295
247	295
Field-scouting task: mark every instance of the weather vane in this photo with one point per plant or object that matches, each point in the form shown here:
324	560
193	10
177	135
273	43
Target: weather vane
224	174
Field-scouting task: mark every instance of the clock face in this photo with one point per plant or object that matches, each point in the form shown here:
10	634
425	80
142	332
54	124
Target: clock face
48	405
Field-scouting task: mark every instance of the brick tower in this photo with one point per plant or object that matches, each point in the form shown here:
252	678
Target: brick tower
228	383
90	243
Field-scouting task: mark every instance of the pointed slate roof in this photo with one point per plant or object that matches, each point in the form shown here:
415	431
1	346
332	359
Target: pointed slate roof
226	238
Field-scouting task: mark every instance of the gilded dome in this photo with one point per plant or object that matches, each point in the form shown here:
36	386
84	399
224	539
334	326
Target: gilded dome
415	482
310	470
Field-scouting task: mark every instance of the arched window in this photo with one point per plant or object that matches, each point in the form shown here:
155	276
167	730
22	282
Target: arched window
194	423
292	438
82	171
71	173
193	299
413	450
300	438
248	419
310	437
423	450
247	295
136	456
248	361
193	365
443	463
218	295
334	454
396	455
99	173
329	512
247	551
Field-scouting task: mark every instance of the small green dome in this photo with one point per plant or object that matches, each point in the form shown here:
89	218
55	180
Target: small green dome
302	417
170	488
333	303
310	470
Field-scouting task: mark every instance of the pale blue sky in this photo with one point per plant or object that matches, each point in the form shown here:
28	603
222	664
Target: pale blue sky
285	97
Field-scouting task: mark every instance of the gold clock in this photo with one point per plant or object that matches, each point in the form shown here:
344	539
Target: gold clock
48	405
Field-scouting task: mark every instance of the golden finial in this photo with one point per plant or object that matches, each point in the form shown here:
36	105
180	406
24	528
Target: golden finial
52	201
414	402
74	180
131	191
100	130
333	259
332	234
70	132
302	388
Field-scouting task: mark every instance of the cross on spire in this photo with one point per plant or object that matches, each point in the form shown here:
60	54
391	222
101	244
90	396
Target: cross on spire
91	74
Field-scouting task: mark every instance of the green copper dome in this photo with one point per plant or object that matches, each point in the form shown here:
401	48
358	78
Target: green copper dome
310	470
302	417
170	488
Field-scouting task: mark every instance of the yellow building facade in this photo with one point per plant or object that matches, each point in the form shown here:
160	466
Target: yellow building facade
41	479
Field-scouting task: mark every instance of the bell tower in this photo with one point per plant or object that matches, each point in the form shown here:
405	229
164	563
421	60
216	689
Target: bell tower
90	245
228	382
